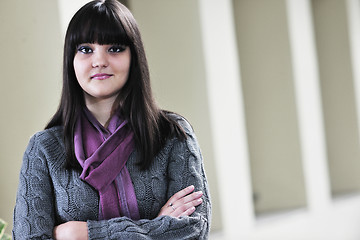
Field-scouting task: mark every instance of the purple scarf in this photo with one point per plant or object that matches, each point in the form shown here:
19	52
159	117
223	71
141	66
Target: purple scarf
102	153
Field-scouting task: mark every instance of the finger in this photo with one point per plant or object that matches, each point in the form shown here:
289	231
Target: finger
178	199
188	198
181	194
180	210
188	212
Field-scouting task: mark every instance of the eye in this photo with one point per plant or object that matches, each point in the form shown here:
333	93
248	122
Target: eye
85	49
117	49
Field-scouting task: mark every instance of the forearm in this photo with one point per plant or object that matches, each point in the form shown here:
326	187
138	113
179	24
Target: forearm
163	227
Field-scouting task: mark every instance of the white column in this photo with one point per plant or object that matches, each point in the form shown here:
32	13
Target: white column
353	9
227	116
309	104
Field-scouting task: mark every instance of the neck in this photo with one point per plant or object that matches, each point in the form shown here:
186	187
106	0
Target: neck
100	108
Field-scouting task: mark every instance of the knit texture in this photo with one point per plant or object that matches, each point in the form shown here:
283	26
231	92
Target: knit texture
49	194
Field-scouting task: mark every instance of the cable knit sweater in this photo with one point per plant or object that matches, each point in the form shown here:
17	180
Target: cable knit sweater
49	194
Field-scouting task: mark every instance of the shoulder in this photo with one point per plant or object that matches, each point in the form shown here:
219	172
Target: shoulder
44	153
182	122
191	143
46	140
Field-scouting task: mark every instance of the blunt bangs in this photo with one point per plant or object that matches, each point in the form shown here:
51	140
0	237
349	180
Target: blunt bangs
97	24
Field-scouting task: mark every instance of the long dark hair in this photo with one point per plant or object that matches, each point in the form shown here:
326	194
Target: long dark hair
110	22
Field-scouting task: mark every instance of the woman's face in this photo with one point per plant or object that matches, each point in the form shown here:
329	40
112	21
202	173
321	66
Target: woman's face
101	70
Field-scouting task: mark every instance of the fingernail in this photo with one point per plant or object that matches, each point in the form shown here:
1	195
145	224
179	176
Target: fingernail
199	200
191	187
199	193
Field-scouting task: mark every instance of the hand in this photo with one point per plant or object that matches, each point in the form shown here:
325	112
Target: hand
182	203
71	230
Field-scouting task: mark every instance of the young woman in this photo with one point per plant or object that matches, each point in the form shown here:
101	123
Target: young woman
111	164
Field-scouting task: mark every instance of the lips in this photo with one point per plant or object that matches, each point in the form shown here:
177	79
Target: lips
100	76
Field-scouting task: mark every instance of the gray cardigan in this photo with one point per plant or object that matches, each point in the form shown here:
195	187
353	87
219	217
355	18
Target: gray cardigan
49	194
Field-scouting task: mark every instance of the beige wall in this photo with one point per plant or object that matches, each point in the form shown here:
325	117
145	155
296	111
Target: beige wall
270	108
31	72
338	94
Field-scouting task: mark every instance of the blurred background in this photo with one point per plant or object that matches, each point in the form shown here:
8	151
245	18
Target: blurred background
271	87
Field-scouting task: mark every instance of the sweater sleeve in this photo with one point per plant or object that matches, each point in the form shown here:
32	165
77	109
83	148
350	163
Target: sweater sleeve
34	211
185	168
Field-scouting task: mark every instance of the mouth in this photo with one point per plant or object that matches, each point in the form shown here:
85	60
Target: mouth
100	76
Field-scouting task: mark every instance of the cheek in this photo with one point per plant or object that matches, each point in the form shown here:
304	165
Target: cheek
121	65
126	62
76	65
79	69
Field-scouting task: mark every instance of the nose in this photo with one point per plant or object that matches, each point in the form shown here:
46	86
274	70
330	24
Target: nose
99	59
